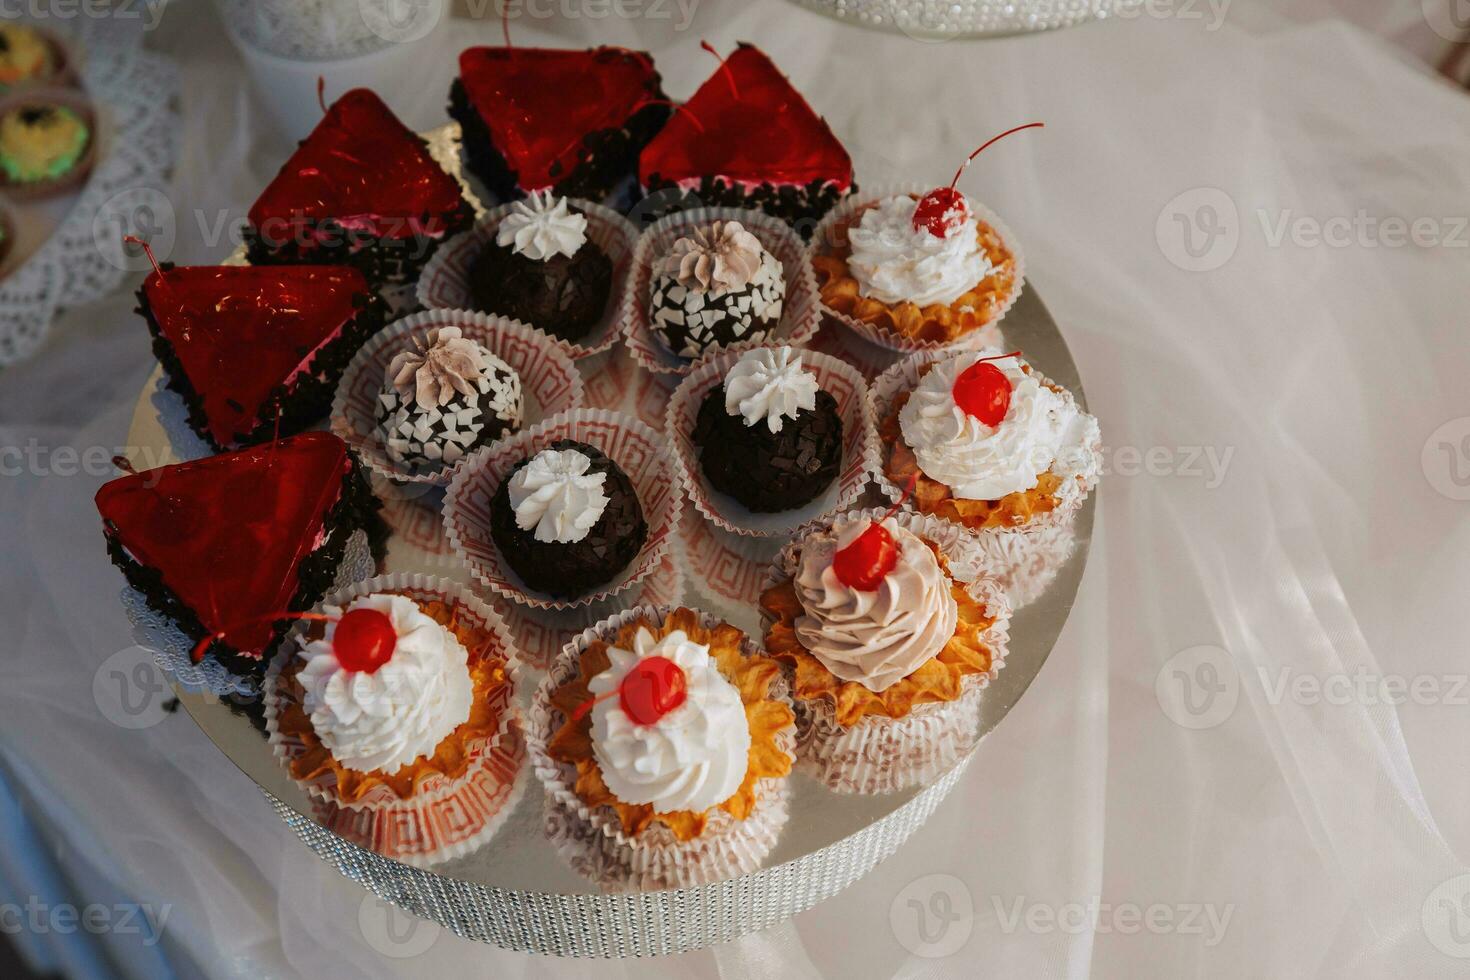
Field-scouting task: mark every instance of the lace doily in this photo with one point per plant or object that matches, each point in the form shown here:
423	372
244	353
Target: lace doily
83	260
171	646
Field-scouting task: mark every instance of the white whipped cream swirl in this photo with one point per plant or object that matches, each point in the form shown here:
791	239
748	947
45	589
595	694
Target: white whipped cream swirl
874	638
894	262
541	226
978	462
388	718
770	385
693	758
556	495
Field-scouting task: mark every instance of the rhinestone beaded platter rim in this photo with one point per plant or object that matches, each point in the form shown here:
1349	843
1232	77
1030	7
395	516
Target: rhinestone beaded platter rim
936	21
517	891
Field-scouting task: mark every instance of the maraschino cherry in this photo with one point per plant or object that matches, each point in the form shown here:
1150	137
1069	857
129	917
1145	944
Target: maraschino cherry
944	209
651	688
983	392
867	560
364	640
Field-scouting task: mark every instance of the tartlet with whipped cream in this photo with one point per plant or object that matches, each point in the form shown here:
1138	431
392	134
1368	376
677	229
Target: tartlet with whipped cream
889	626
910	270
984	440
664	740
393	695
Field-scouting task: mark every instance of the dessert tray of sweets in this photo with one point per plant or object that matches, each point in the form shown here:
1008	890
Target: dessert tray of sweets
589	580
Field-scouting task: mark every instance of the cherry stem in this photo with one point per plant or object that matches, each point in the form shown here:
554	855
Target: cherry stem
998	357
588	705
505	21
724	66
321	93
993	139
203	645
124	464
148	250
908	491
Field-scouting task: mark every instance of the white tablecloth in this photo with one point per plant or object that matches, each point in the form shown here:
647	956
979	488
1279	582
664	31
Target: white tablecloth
1282	495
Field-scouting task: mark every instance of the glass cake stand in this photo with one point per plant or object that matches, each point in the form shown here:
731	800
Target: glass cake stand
935	21
515	890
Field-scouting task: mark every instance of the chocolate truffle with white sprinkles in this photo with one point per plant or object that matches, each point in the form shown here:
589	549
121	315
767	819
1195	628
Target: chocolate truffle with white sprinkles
717	287
541	269
567	520
444	399
769	436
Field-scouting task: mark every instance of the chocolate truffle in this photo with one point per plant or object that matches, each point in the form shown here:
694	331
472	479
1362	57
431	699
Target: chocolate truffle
542	270
769	436
567	520
717	287
444	399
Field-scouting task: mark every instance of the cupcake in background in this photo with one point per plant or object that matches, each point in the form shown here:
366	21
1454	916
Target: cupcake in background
716	286
567	519
985	440
46	145
663	741
769	436
541	269
26	55
889	627
445	398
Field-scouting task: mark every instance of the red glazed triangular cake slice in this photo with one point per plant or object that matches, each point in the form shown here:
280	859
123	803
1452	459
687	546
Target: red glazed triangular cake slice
761	145
571	121
222	545
362	188
257	350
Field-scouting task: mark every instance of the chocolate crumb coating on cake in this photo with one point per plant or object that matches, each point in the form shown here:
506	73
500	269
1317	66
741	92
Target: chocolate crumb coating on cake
564	296
716	287
566	570
769	471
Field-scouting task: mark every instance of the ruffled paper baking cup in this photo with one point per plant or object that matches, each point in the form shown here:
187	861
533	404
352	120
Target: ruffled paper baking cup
839	379
444	816
173	649
831	233
727	569
592	839
886	755
800	312
550	381
903	377
1026	559
67	98
643	455
445	281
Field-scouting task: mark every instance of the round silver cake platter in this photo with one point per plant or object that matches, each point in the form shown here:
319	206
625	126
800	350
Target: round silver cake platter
517	892
936	21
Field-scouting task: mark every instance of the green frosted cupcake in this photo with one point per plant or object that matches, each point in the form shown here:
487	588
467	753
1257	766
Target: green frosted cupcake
41	143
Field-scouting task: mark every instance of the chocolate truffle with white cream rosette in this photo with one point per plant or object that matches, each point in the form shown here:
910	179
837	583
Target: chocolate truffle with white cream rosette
443	400
717	286
541	269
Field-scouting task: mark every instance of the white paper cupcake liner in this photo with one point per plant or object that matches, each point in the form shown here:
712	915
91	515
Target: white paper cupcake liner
832	231
592	839
840	380
903	377
642	453
800	313
456	825
549	380
172	648
1027	559
728	568
541	633
842	343
444	817
885	755
614	381
445	281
